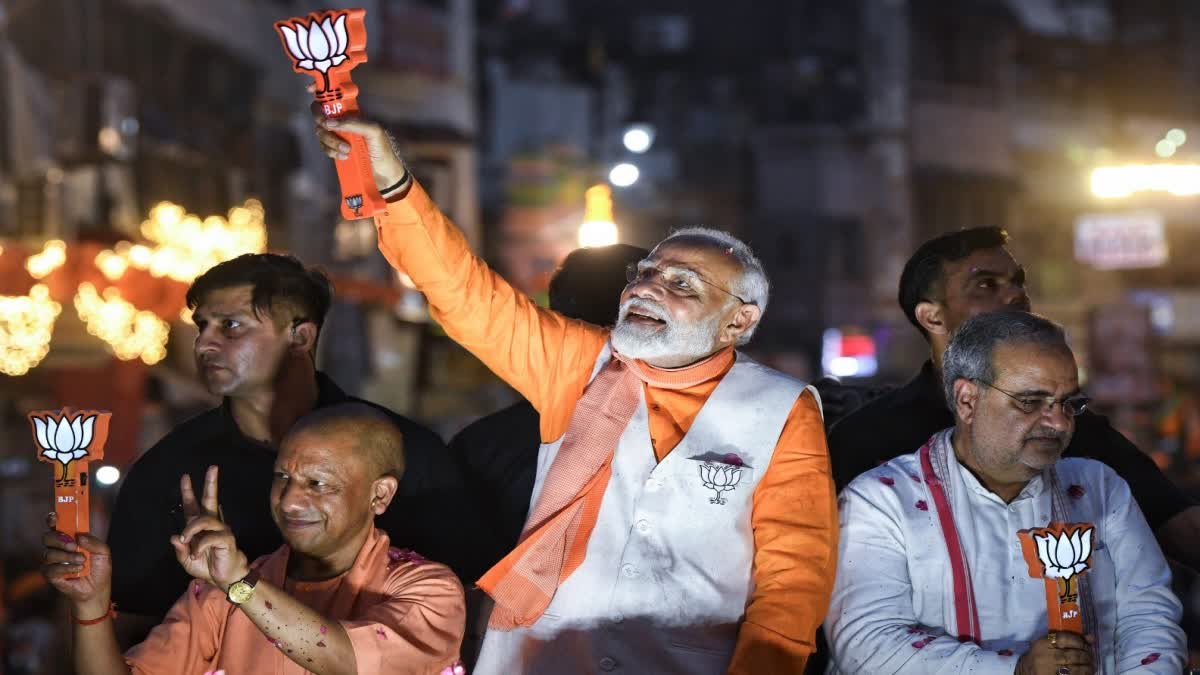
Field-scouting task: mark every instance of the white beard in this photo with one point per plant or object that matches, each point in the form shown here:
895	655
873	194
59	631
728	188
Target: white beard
678	341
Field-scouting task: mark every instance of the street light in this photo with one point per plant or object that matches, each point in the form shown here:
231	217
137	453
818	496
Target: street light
623	174
1181	180
107	475
638	138
598	228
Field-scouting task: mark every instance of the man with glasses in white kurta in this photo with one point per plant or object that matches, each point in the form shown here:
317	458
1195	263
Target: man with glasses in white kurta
933	575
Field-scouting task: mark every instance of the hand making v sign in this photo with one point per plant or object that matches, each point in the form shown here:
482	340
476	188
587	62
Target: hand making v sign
206	548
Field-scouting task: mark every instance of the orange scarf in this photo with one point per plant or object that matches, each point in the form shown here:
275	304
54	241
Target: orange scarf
554	542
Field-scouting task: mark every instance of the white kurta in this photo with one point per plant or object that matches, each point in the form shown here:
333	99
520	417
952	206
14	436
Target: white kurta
893	606
668	570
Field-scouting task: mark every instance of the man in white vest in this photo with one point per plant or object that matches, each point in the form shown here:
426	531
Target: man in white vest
682	517
987	552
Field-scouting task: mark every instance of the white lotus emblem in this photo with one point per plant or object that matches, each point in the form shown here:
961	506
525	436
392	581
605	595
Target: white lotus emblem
318	45
719	478
1066	555
65	439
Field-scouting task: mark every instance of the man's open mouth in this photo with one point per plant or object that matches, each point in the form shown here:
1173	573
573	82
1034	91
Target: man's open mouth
635	315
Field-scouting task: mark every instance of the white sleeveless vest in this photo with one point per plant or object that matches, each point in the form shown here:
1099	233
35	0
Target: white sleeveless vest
667	575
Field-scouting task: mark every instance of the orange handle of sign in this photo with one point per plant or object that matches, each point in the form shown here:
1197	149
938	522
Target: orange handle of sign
73	510
327	46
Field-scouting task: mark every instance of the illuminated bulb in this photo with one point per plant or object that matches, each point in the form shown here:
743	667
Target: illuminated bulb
130	333
638	139
111	265
52	256
623	175
597	233
26	325
1164	148
109	140
1182	180
1177	136
140	256
107	475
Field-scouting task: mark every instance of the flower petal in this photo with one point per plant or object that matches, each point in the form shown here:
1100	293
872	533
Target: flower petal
289	36
306	64
79	453
1043	549
40	426
318	45
64	440
1086	542
1064	553
302	39
1077	546
323	65
88	427
51	431
343	39
330	37
337	60
77	432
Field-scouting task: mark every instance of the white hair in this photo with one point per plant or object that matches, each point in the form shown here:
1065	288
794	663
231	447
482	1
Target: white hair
752	285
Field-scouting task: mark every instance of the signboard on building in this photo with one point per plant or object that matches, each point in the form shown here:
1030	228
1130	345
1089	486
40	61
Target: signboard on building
1114	241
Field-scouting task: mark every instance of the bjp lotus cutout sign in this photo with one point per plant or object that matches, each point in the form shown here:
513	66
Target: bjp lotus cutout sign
70	439
1059	554
327	46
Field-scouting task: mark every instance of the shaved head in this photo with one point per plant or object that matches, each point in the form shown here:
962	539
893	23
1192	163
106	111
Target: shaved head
374	437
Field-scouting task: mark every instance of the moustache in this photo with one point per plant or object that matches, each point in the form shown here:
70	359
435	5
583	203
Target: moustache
1056	437
650	309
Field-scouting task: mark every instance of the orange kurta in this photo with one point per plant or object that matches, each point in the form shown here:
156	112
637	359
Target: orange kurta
549	359
402	614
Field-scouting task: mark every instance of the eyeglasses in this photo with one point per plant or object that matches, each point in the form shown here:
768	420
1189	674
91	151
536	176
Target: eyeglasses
677	280
1072	406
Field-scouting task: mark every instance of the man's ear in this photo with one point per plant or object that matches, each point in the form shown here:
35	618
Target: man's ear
743	320
931	317
303	337
966	399
383	490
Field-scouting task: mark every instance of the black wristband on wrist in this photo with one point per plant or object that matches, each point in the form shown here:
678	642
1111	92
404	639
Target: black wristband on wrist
399	184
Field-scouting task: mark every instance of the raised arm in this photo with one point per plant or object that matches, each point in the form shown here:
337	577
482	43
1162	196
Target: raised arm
541	353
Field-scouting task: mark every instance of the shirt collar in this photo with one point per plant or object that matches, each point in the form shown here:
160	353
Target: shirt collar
1033	489
274	568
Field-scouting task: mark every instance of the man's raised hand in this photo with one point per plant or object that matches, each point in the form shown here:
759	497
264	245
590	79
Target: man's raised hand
206	548
386	164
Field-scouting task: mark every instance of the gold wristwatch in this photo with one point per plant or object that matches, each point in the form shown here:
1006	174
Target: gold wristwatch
241	591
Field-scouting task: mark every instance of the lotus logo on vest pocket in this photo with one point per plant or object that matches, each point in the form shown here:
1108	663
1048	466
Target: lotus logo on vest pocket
720	478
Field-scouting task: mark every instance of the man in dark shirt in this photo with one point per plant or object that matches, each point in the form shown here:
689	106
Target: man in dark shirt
499	452
258	319
948	280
